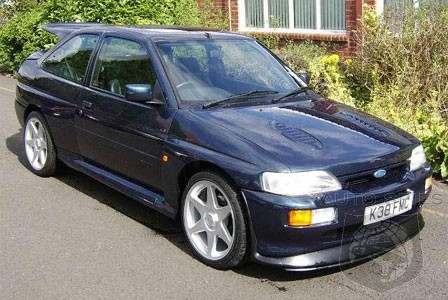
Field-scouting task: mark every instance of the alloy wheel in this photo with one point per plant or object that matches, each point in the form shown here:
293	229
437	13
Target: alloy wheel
209	220
35	144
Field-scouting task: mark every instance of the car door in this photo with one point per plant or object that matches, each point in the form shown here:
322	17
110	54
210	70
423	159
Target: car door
63	75
121	136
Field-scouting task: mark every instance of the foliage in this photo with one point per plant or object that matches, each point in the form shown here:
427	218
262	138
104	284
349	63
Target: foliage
327	77
406	51
204	15
436	148
269	39
167	12
400	74
22	34
301	56
12	7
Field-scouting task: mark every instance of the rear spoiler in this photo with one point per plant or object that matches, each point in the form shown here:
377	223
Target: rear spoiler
64	29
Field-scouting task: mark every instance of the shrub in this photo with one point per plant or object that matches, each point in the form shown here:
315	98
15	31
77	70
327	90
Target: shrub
400	74
327	77
406	51
10	8
21	36
436	148
270	40
167	12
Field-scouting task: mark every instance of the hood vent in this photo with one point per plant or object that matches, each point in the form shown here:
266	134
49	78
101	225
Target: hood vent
297	135
365	124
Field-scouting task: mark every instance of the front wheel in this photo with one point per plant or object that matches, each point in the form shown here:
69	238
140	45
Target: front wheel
213	221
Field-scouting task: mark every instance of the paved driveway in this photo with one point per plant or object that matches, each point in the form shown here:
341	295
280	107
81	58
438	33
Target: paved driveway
71	237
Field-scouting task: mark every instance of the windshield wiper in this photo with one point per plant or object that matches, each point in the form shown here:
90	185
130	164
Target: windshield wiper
237	97
291	94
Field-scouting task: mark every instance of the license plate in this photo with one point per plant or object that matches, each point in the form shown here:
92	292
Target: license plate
386	210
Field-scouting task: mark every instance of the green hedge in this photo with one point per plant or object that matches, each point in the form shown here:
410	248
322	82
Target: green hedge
21	36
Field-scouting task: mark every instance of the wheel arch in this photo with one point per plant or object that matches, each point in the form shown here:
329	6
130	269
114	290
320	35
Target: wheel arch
195	167
34	108
50	165
29	109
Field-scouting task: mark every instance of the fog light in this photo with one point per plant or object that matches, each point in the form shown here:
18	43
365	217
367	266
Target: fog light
311	216
428	184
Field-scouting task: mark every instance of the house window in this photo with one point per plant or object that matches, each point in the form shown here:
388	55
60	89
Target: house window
293	14
400	5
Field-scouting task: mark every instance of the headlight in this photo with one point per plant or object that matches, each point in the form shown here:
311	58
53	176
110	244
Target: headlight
418	158
297	184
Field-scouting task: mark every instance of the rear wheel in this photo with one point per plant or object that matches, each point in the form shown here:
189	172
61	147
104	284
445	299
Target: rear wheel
39	148
213	221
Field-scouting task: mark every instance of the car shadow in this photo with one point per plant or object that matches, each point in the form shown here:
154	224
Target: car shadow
272	274
160	224
108	196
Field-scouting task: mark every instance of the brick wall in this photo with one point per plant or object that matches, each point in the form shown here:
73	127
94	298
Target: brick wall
233	17
344	41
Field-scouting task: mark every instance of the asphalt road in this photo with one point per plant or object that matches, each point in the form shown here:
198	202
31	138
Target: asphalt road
71	237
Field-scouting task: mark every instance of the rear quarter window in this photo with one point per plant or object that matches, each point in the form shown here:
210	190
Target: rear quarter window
70	60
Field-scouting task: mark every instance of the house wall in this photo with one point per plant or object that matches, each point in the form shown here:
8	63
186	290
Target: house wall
344	41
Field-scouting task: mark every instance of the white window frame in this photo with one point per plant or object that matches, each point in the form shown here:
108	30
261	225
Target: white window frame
242	20
380	6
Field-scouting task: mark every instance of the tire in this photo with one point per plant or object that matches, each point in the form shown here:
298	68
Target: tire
214	227
40	153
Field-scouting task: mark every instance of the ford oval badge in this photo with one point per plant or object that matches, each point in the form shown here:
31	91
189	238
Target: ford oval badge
380	173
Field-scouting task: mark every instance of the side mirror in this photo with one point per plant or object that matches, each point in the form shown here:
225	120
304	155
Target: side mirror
305	77
141	93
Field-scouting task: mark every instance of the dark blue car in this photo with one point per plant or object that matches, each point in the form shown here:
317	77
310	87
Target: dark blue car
213	129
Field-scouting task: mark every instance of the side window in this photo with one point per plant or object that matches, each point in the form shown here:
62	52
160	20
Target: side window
122	62
71	59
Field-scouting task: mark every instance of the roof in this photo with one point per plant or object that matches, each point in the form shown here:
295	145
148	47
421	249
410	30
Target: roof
64	29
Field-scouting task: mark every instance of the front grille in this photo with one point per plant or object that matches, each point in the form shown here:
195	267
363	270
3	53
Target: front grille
363	182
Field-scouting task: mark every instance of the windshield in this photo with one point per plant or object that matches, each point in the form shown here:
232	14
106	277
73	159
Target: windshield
204	71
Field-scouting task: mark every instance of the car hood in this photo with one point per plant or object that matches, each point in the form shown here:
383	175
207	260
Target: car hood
314	133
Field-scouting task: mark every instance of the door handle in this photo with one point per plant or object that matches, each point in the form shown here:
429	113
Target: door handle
86	104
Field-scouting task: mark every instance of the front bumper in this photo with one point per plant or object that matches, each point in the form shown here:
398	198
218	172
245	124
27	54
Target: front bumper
346	253
314	247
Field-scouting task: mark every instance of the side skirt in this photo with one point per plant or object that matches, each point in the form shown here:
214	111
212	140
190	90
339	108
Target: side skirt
122	185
